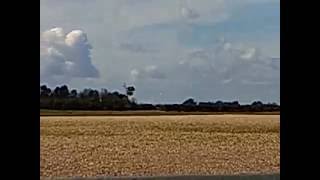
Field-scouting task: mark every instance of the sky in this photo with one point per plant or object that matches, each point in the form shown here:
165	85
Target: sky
170	50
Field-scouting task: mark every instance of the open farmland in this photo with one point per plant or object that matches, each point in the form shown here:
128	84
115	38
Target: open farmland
159	145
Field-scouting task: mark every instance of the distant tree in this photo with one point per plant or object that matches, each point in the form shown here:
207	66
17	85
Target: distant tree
93	94
56	92
116	93
61	92
257	104
91	99
130	90
104	92
190	102
219	104
64	91
73	93
236	103
84	93
45	91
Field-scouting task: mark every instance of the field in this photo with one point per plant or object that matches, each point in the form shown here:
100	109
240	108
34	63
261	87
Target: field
44	112
159	145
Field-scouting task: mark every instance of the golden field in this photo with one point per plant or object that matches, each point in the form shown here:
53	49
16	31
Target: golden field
159	145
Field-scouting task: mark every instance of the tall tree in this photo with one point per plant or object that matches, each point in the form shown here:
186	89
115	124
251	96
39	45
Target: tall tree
61	92
45	91
93	94
64	91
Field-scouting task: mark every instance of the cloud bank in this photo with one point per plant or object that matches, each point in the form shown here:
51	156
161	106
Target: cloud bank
230	62
64	56
149	72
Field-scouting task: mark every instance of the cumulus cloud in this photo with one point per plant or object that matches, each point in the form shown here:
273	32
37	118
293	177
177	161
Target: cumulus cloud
229	63
149	72
65	56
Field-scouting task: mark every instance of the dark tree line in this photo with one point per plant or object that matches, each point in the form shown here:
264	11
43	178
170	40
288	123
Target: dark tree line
219	106
88	99
61	98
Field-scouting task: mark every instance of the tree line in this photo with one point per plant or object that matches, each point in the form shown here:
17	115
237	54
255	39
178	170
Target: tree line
61	98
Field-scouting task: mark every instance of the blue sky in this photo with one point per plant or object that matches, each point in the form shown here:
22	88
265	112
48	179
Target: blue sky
170	49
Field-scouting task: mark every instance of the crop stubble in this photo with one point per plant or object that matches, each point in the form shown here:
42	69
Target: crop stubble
159	145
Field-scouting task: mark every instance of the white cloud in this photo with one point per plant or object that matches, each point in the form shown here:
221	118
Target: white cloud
236	63
148	72
65	55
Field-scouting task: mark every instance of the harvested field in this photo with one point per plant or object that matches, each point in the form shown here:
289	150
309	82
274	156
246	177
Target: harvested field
44	112
159	145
